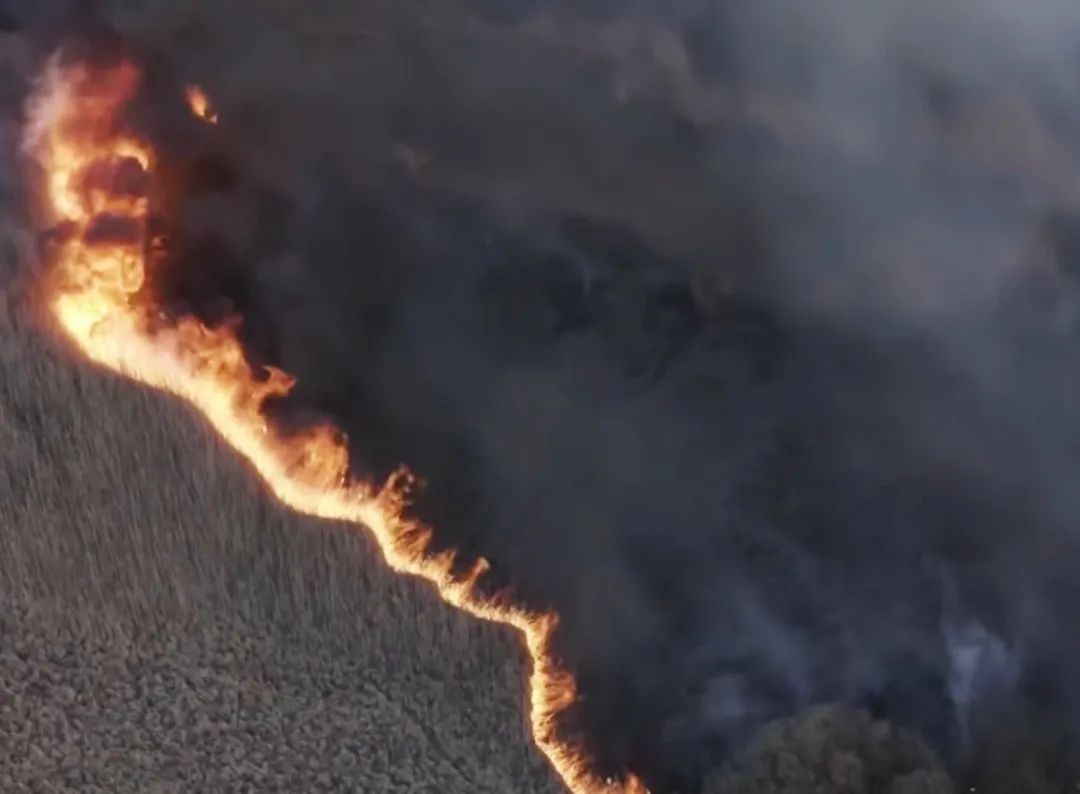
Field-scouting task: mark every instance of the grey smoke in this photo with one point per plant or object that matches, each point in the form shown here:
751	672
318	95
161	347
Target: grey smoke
744	337
979	663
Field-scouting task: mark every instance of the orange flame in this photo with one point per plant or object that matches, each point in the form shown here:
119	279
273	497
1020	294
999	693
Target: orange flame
200	105
94	292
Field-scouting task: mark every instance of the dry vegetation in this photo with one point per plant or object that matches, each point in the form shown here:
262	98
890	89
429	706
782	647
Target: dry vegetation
166	627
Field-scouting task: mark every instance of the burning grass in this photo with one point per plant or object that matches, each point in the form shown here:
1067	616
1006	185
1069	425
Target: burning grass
164	623
150	586
99	188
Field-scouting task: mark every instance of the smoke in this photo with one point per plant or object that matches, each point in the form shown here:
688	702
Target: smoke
745	338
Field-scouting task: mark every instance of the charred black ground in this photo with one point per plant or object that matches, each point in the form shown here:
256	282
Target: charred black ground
825	451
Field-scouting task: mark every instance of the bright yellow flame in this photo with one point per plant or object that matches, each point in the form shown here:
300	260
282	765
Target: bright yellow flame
94	292
199	103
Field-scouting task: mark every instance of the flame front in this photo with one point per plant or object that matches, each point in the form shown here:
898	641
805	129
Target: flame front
98	185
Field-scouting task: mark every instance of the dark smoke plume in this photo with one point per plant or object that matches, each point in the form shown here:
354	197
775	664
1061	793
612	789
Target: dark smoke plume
745	337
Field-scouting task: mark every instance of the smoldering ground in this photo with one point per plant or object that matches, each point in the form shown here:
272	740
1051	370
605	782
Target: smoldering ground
745	338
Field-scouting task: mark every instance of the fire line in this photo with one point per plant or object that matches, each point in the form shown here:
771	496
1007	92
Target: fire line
98	186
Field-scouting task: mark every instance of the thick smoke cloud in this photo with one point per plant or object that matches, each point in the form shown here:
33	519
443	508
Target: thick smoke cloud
744	337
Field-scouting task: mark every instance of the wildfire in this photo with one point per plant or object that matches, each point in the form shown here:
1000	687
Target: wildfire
200	105
99	186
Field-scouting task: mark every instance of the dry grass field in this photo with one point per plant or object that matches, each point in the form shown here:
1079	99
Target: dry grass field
166	627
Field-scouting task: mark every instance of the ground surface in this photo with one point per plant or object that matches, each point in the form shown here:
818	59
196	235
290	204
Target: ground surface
165	627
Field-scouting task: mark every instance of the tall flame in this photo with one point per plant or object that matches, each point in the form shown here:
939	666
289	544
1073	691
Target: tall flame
98	186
